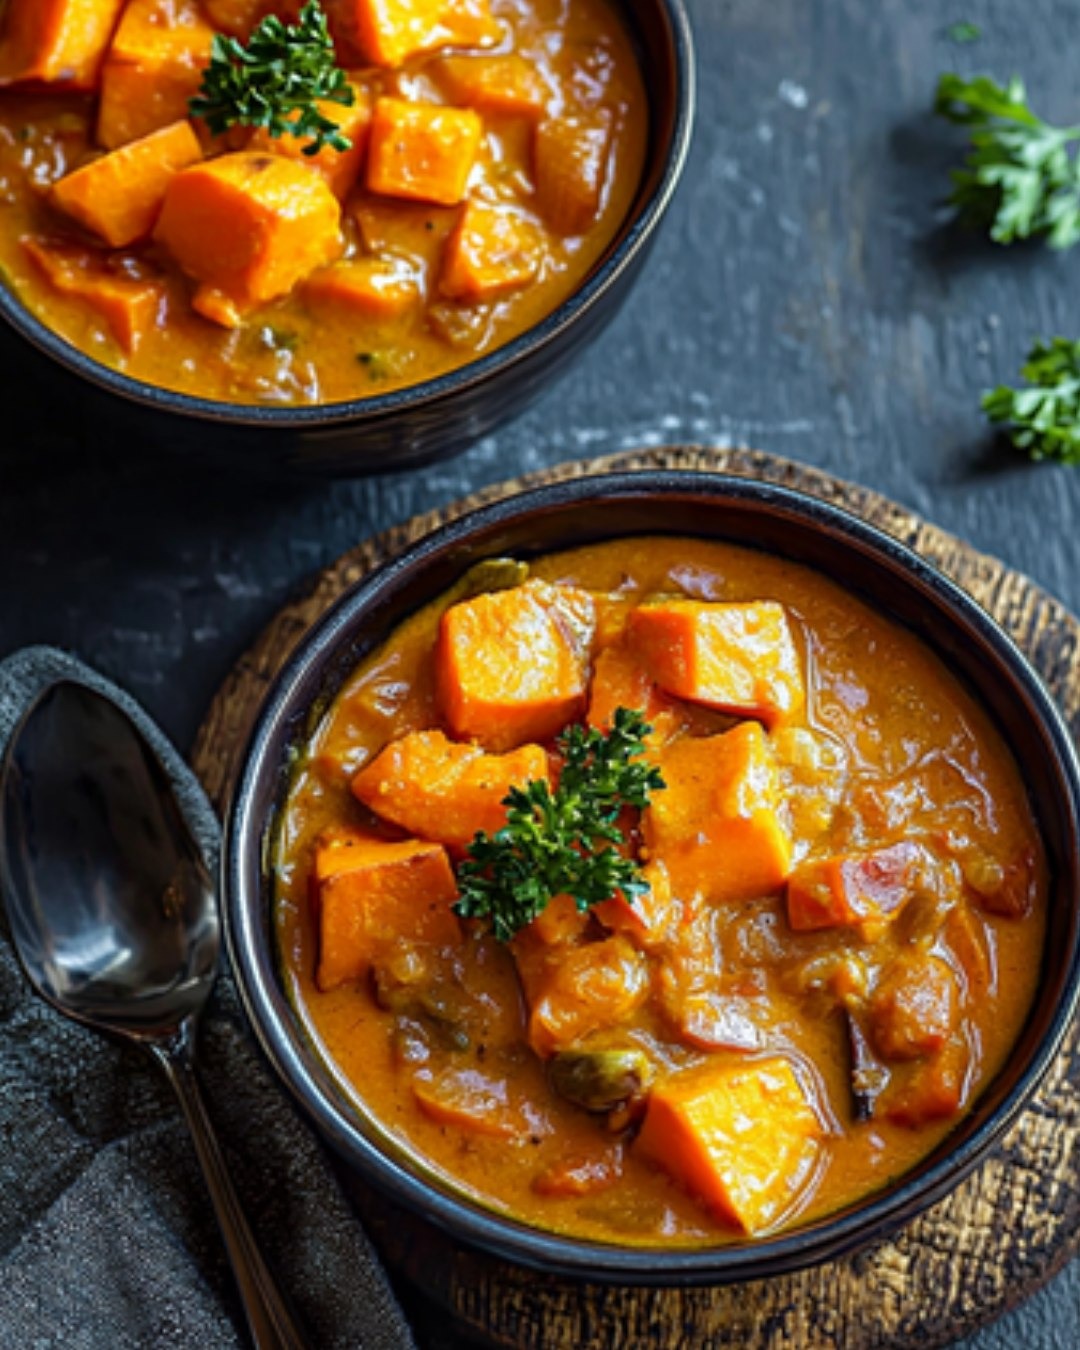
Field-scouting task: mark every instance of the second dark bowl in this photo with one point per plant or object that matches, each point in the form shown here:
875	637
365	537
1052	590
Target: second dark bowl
784	523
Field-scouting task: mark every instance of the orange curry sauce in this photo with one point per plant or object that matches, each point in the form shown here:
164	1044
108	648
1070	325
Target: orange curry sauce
320	343
889	754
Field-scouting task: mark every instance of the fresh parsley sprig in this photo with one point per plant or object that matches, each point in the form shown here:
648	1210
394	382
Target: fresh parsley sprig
275	81
563	842
1044	418
1021	178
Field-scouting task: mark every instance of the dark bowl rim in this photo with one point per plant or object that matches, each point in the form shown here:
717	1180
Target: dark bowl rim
636	231
242	867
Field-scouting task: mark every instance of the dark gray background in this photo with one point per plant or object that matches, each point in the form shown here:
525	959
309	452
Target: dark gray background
806	296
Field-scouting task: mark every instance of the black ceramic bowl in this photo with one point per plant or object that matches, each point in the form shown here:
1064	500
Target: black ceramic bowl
439	417
783	523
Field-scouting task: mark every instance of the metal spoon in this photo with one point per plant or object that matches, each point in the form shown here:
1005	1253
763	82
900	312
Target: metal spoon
113	916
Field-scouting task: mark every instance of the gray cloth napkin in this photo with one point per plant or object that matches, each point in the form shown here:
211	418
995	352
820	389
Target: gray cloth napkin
107	1237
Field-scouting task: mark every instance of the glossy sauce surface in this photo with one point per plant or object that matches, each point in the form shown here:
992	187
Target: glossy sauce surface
311	349
891	751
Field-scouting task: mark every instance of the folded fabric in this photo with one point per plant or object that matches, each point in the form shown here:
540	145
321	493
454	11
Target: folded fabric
107	1235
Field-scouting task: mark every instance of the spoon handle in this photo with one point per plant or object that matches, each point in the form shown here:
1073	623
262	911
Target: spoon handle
271	1323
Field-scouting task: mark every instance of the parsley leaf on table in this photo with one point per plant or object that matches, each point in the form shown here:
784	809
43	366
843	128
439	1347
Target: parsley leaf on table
1021	178
275	81
563	842
1044	418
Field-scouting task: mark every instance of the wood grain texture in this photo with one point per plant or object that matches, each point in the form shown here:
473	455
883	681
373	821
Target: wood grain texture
989	1245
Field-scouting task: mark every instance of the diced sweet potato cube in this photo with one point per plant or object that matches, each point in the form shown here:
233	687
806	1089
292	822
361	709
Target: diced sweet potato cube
850	889
499	84
55	41
573	991
444	791
715	826
152	69
739	658
560	921
370	893
422	151
388	32
491	252
914	1008
467	1099
570	165
119	196
647	919
930	1089
129	306
510	666
371	288
742	1137
619	680
340	168
250	226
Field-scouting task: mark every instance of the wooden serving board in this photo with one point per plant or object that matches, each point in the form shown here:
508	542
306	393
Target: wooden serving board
985	1248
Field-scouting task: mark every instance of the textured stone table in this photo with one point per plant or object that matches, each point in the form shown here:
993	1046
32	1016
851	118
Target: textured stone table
805	296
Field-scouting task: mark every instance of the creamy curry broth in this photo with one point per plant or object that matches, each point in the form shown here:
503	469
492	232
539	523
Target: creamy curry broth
298	350
896	747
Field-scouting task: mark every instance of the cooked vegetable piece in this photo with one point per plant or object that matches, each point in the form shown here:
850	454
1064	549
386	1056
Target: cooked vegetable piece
930	1089
370	288
1004	888
740	658
491	252
239	17
119	196
716	828
574	991
570	163
500	84
600	1080
369	894
422	151
510	667
249	226
466	1099
971	943
152	69
129	305
388	32
914	1007
340	168
434	787
619	680
849	890
55	41
648	920
581	1175
741	1137
559	921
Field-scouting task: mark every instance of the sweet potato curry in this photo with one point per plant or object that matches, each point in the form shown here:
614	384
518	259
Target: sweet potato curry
829	918
478	156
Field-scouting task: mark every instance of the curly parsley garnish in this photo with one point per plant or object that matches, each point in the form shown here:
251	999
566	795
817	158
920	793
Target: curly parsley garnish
1044	417
563	842
1021	178
275	81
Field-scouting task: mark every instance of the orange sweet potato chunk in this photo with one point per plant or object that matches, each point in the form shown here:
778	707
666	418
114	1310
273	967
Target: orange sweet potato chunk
850	890
152	69
340	168
249	226
119	196
570	166
619	680
739	658
55	41
371	288
421	151
388	32
741	1136
507	84
129	306
441	790
648	919
914	1008
369	893
716	826
491	252
510	666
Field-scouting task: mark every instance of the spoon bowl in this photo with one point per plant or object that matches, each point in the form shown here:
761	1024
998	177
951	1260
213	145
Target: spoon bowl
114	918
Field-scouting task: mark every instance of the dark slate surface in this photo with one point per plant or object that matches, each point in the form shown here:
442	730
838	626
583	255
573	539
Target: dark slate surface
806	297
